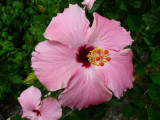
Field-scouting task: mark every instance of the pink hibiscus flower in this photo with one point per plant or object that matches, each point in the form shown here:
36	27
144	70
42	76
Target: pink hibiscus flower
88	3
85	61
49	109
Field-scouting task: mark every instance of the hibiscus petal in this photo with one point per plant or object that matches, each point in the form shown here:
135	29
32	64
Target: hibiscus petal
70	27
84	89
108	34
54	64
88	3
118	73
50	109
29	100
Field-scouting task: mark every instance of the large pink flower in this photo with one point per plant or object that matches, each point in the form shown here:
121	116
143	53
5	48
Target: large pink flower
85	61
88	3
49	109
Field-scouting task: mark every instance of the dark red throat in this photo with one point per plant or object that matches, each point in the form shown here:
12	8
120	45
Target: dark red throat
82	55
37	112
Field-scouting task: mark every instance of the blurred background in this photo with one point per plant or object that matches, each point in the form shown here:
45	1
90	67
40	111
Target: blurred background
22	24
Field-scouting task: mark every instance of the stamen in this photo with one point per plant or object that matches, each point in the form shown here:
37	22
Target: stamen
108	59
106	51
101	64
99	51
98	57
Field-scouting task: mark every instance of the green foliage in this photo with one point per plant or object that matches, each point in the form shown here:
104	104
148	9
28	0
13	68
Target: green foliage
154	92
96	6
129	110
155	77
6	19
91	113
30	79
113	101
153	114
156	55
19	117
134	23
22	24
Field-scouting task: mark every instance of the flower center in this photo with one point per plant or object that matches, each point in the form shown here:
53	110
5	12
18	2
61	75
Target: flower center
82	57
98	57
37	112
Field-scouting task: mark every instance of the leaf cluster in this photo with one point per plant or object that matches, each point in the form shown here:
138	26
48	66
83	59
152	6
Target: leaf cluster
22	24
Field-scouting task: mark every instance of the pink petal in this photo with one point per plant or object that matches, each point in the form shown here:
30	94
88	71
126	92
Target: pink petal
108	34
84	89
50	109
118	73
88	3
70	27
29	100
54	64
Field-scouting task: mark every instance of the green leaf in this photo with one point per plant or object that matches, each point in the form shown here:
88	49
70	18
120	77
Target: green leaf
136	3
7	19
153	114
134	23
4	34
155	78
142	114
72	118
151	18
155	28
156	55
138	103
139	49
113	15
52	6
1	24
72	1
38	31
138	89
113	101
42	19
30	79
154	92
17	5
14	78
122	5
155	4
3	63
96	6
140	68
129	110
41	2
2	86
19	117
79	2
